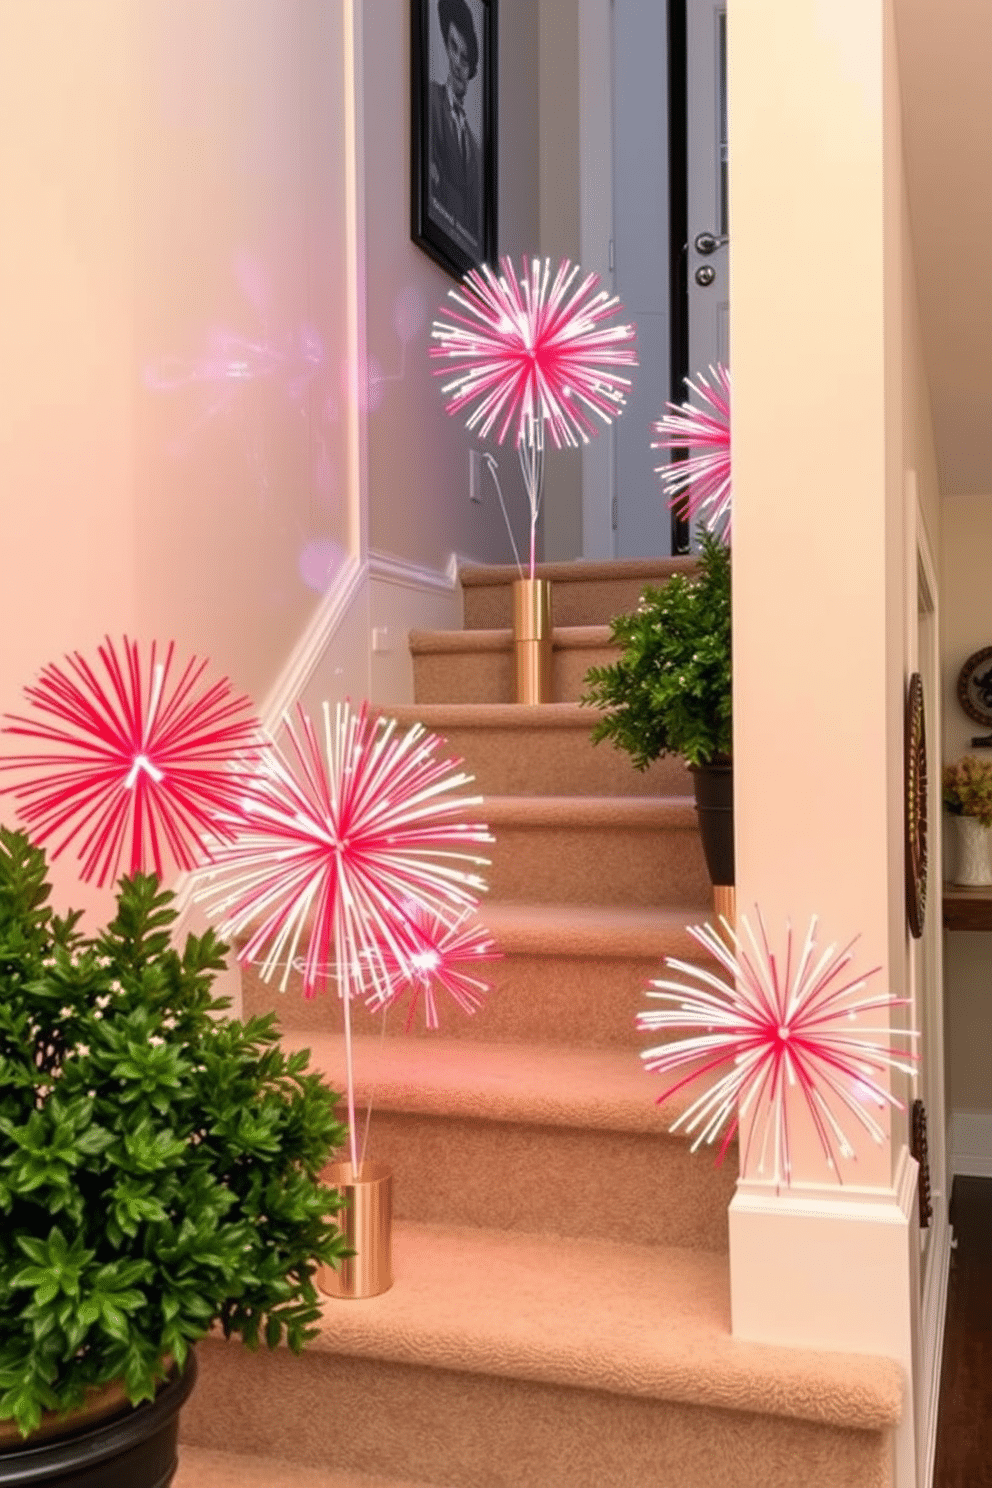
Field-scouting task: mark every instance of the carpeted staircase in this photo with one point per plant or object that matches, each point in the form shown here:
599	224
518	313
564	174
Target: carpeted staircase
560	1315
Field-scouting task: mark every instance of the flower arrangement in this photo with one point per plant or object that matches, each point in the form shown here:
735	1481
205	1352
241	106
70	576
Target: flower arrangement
670	690
967	788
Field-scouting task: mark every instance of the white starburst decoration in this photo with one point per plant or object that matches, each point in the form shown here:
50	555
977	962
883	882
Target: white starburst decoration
775	1027
342	846
534	353
699	486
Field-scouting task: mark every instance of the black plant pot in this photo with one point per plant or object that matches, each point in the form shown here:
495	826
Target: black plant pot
714	788
136	1449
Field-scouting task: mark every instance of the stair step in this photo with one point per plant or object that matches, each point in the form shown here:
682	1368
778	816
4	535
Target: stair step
574	973
528	1137
582	593
478	666
201	1467
544	749
504	1360
624	850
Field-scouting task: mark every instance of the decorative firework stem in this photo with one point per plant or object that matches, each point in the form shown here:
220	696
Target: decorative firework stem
493	465
350	1075
531	453
339	760
372	1092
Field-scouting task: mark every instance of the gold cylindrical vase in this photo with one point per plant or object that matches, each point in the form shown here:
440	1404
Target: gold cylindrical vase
367	1223
532	639
725	903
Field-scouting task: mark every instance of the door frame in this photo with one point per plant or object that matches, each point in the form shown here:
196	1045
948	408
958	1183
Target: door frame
678	220
923	655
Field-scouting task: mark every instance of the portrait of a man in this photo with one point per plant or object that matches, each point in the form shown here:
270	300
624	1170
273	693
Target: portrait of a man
453	93
455	156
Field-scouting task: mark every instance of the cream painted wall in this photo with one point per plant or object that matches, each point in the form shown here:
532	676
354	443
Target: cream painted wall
919	452
172	320
67	518
820	475
814	470
966	543
66	434
418	501
828	409
239	293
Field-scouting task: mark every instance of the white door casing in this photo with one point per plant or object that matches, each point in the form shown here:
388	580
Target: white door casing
708	163
641	519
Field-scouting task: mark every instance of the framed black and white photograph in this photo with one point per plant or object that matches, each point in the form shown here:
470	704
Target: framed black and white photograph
453	136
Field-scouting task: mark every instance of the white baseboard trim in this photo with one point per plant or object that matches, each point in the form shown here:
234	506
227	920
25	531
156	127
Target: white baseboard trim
932	1318
306	654
389	569
319	633
971	1144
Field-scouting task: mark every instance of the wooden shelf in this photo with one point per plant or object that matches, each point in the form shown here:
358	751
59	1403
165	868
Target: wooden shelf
967	909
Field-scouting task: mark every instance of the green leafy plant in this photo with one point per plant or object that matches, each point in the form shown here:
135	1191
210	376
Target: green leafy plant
968	788
158	1163
670	690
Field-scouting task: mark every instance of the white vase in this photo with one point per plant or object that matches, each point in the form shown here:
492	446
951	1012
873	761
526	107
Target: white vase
974	861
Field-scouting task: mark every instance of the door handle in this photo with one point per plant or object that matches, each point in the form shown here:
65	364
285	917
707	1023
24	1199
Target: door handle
707	242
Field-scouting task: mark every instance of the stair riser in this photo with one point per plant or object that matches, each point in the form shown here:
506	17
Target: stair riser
597	865
629	1187
586	1001
551	761
452	1429
490	677
592	602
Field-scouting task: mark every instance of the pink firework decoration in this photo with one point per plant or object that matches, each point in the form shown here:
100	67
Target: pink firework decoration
130	764
699	486
774	1028
526	354
339	849
441	963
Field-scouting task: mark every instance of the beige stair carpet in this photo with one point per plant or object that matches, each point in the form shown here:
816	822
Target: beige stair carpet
560	1316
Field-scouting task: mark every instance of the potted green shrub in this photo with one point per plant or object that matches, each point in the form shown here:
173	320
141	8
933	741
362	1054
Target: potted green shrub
159	1173
670	691
967	794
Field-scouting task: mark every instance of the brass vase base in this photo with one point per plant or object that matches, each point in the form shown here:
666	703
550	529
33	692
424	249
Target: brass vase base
532	639
367	1224
725	903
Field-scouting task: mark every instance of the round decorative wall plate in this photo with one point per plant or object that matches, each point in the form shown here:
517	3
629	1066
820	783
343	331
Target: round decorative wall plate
916	806
975	686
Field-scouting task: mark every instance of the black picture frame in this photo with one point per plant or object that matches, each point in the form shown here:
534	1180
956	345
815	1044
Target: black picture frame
453	169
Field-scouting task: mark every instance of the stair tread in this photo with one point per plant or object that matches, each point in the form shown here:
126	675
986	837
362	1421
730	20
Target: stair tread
588	929
633	812
535	1084
646	1321
579	570
593	930
205	1467
448	642
494	715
